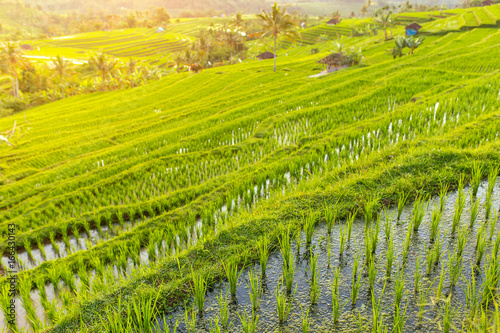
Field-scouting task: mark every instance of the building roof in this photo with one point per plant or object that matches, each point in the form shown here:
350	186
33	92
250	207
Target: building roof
413	26
333	21
487	2
266	55
335	59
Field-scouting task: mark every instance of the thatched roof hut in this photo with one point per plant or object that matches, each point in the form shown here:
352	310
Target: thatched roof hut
266	55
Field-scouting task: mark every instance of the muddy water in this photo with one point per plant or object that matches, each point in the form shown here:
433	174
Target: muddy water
320	315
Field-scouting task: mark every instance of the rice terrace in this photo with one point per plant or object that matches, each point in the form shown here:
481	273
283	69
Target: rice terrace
249	166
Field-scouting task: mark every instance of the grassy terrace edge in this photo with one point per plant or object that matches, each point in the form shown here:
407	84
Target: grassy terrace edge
419	166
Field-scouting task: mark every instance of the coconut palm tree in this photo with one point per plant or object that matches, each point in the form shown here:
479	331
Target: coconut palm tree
178	61
104	64
384	21
62	68
278	23
11	59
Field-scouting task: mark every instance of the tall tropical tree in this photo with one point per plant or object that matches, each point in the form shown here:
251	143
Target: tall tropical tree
384	21
61	67
278	23
11	59
104	64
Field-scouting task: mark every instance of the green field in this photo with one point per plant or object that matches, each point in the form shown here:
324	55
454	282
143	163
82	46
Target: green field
120	197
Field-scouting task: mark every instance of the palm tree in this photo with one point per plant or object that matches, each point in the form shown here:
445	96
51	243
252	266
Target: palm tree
178	61
364	10
238	21
392	22
384	21
278	23
61	67
104	64
11	58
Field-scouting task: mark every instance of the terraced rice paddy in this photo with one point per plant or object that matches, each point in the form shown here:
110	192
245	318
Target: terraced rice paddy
134	193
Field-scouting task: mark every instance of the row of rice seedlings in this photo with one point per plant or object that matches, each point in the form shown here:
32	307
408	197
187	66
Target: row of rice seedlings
454	267
330	216
491	280
492	179
389	217
25	285
481	244
390	254
232	275
223	311
263	248
309	223
199	289
443	197
8	310
377	316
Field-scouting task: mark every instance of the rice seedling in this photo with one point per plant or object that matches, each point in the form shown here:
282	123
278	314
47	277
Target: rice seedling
54	276
492	225
199	289
190	320
491	280
328	251
263	247
377	317
429	260
492	177
330	217
289	273
342	239
422	301
400	319
315	274
369	209
407	243
356	280
232	275
417	214
51	309
223	310
454	267
254	289
402	199
350	222
474	211
388	223
372	273
368	247
249	322
283	303
285	245
459	207
374	233
477	174
437	250
437	212
298	239
214	326
399	287
309	223
472	300
41	248
443	197
487	205
336	306
481	244
390	255
27	247
447	313
305	320
417	277
463	233
40	285
439	289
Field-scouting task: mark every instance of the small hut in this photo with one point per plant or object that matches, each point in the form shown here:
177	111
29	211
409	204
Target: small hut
266	55
335	62
487	3
160	29
333	21
27	47
412	29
